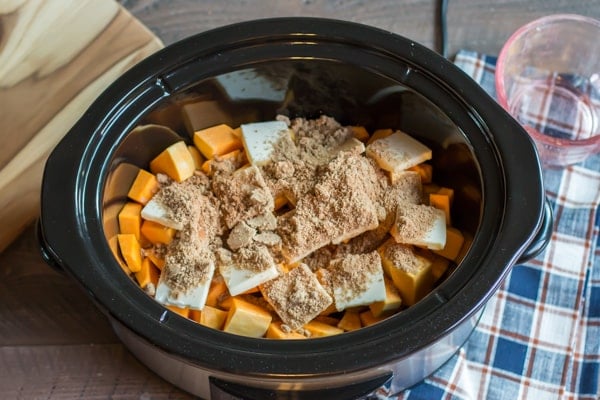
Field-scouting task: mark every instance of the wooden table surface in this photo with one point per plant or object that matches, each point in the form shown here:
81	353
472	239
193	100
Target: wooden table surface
54	344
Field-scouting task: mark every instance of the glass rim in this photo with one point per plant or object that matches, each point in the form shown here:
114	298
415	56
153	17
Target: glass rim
501	66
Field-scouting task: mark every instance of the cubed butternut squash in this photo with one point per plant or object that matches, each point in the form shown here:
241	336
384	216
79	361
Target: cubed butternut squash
454	242
320	329
441	202
217	293
392	301
367	318
157	233
145	185
175	161
149	273
184	312
424	170
217	140
131	251
130	219
360	133
275	331
247	319
113	243
198	159
350	321
210	317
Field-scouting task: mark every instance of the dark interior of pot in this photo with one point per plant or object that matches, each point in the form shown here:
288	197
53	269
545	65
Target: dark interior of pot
303	88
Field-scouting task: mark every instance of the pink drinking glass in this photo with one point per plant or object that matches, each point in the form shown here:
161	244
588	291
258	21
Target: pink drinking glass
548	78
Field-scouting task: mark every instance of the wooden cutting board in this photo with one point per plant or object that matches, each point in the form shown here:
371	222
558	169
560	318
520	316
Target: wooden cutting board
56	57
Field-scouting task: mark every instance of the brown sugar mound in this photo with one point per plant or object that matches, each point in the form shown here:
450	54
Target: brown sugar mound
296	296
243	194
339	207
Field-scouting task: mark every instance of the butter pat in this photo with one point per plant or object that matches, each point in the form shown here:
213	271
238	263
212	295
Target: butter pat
296	296
355	280
156	211
397	152
194	298
246	268
420	225
260	138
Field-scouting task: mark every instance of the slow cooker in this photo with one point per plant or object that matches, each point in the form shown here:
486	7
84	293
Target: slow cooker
306	67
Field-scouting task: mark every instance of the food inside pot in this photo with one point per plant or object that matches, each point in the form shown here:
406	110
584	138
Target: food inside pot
289	228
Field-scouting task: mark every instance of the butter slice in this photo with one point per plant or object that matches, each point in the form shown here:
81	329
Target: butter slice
259	139
397	152
247	268
194	298
156	211
408	227
356	280
297	296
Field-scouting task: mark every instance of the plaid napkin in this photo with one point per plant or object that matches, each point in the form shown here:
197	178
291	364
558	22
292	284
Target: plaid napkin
539	336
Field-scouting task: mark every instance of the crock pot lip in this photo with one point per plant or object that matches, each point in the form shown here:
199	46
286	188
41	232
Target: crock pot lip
463	87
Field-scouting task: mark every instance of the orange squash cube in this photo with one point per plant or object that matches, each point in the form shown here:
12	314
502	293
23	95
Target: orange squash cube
367	318
320	329
130	219
275	331
157	233
210	317
217	292
442	202
206	166
217	140
184	312
147	274
350	321
131	251
360	133
424	170
454	242
198	159
144	186
175	161
247	319
113	243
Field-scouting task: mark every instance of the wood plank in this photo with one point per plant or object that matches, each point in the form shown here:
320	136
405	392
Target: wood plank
55	59
482	25
79	372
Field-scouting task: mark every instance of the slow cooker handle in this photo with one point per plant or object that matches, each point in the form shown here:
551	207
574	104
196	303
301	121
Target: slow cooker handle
224	390
542	237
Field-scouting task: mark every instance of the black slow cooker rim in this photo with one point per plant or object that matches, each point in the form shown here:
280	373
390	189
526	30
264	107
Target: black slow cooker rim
226	352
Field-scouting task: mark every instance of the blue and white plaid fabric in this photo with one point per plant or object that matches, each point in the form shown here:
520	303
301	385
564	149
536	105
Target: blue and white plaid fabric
539	336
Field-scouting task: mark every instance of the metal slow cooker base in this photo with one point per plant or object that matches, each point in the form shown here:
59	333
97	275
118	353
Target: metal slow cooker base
220	385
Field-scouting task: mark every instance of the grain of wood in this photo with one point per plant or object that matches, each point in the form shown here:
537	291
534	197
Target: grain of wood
56	57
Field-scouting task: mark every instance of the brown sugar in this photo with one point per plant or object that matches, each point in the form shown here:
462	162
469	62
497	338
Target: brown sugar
338	208
187	265
328	238
352	275
413	221
297	296
179	198
243	194
402	256
256	258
